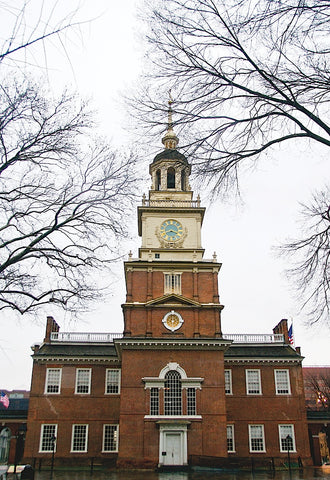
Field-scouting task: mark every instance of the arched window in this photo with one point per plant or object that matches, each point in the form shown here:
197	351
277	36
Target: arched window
171	178
158	180
173	393
183	180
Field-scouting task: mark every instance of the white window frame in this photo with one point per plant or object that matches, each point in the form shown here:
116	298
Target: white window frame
172	283
48	384
292	435
108	383
42	433
89	381
73	437
191	401
278	382
116	428
248	382
232	438
154	401
228	382
251	427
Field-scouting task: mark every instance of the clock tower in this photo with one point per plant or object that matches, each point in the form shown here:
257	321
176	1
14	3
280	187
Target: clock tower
172	352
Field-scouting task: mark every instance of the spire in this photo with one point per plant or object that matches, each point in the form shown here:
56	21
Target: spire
170	140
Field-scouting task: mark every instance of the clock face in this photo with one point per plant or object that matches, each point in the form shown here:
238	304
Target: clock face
172	320
171	230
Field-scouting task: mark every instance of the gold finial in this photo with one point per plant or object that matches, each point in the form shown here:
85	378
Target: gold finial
170	140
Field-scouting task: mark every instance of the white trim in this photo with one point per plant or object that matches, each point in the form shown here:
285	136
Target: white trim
247	381
173	328
47	380
262	436
172	366
86	437
173	417
43	425
229	370
292	436
89	381
287	378
170	428
117	439
106	381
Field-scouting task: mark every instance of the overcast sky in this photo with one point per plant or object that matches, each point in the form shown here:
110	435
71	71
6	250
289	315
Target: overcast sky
108	61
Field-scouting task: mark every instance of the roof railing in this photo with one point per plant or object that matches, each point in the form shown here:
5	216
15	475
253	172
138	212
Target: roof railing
95	337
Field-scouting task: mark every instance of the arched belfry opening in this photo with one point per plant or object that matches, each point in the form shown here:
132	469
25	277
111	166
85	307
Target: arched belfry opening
170	177
183	180
158	180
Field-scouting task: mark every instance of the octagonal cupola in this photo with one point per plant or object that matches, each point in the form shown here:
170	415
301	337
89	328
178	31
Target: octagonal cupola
170	169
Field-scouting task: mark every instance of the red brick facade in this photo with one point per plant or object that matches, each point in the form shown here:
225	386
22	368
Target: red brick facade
186	393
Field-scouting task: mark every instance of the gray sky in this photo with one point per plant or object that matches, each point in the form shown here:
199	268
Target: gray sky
252	284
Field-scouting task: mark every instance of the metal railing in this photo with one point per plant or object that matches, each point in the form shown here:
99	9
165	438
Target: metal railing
172	203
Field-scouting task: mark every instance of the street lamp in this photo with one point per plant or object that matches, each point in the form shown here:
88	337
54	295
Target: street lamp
53	440
288	439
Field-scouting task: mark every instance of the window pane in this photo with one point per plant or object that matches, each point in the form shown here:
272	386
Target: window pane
79	439
112	381
282	382
230	438
228	389
154	401
53	380
253	382
172	393
191	401
83	380
287	442
256	438
172	283
48	437
110	438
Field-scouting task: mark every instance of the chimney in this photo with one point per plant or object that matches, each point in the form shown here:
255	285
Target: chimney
282	328
51	326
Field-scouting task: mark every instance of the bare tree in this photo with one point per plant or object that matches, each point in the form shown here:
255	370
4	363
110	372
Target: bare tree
311	271
318	384
63	200
247	77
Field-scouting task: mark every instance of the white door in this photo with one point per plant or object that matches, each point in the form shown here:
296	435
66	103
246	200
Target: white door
173	449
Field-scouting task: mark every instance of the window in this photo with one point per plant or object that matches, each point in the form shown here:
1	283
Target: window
287	440
172	283
154	401
253	382
230	438
83	380
170	178
256	438
112	382
53	380
110	438
158	180
48	438
228	382
191	401
172	393
183	180
282	382
157	255
79	438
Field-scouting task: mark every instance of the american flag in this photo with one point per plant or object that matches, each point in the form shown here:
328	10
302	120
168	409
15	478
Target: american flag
4	399
290	335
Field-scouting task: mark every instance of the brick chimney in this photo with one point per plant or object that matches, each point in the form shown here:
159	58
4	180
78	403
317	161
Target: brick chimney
51	326
282	328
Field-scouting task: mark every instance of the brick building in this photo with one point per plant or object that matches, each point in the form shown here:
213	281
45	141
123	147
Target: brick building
173	389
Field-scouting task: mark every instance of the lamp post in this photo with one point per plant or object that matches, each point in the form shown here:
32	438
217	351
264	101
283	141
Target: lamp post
53	440
288	439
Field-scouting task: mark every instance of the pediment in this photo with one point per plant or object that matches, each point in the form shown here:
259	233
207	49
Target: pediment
173	300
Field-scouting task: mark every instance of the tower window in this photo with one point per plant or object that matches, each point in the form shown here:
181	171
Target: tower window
173	393
171	178
172	283
158	180
183	180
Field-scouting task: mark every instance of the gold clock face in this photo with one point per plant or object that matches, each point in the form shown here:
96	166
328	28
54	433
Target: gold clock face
171	230
173	320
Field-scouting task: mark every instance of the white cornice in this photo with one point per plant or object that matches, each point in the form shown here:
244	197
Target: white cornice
262	360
